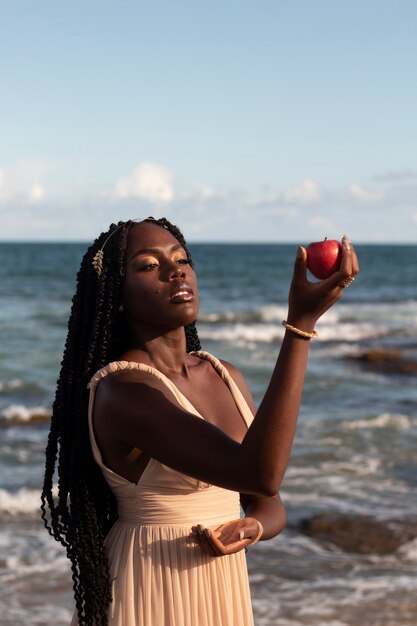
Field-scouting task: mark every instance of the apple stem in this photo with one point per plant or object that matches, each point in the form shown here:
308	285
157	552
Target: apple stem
325	239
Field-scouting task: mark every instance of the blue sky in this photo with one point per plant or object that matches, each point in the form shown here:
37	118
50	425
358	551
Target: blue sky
238	120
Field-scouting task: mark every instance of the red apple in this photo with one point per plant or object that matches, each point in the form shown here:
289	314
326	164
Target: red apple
323	257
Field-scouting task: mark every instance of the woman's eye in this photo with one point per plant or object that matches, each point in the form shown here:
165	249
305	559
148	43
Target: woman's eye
148	266
183	261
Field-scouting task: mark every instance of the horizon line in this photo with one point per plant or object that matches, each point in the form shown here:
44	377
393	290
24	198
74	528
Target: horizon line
208	242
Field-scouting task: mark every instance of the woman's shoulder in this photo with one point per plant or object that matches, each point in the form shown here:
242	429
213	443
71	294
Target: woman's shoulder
127	393
220	364
115	375
240	381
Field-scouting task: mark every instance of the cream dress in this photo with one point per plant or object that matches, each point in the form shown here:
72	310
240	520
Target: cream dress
160	576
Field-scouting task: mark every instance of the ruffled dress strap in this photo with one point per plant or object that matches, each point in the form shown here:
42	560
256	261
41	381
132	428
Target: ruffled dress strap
222	370
119	366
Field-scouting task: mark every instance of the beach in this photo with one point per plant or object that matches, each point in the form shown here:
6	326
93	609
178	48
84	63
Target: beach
354	459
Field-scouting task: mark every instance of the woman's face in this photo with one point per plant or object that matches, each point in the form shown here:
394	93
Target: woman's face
160	287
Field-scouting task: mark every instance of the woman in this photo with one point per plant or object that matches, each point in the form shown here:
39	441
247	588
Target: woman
151	459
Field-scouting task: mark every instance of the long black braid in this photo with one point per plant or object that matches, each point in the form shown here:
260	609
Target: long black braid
80	511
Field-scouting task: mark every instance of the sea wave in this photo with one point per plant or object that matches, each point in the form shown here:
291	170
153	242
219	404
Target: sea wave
22	502
348	323
242	334
266	313
384	420
344	312
408	551
24	387
20	414
246	334
11	385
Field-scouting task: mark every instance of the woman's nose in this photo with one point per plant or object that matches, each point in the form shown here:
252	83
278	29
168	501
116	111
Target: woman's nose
176	271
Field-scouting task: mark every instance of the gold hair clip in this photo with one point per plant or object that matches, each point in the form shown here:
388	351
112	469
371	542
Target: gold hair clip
97	261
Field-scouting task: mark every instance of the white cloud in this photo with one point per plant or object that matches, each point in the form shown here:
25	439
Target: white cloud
308	192
148	181
304	212
206	192
22	182
365	196
37	193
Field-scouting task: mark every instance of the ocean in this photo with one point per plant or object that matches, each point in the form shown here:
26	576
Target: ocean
355	451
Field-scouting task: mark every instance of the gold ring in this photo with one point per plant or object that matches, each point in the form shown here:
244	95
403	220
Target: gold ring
348	281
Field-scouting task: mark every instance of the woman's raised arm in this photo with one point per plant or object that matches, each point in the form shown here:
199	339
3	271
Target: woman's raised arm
138	409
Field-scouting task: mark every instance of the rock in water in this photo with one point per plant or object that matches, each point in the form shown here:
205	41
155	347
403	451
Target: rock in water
385	361
359	533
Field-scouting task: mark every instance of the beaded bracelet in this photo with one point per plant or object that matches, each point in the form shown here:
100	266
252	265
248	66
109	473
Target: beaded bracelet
302	333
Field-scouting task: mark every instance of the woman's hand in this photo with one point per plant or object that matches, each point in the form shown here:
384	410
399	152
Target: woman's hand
308	301
228	538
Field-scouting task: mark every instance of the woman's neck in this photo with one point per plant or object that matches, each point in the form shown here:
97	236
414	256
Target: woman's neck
166	352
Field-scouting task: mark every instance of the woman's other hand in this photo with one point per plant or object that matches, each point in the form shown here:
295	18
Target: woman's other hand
307	300
228	538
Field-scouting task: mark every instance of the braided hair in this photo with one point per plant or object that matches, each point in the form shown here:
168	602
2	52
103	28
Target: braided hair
80	511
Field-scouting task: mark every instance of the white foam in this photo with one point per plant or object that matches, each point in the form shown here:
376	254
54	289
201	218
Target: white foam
362	321
385	420
272	313
350	331
43	615
358	465
20	569
11	384
349	322
266	313
408	551
267	332
22	413
22	502
16	383
243	333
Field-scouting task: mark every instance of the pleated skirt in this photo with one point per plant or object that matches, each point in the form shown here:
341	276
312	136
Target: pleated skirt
161	576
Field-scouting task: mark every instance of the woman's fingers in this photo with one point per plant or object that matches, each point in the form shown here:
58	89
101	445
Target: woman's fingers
355	262
300	265
202	536
226	539
231	546
204	541
349	267
346	264
211	547
228	532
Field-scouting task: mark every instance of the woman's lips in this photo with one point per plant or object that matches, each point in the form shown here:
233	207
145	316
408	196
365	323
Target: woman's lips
182	293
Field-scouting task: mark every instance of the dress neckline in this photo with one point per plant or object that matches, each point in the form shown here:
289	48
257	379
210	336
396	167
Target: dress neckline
118	366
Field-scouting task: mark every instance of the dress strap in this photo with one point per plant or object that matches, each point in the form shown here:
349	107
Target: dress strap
119	366
238	397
